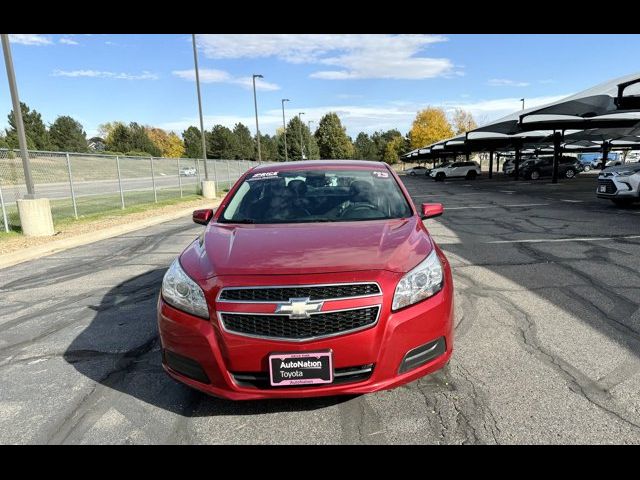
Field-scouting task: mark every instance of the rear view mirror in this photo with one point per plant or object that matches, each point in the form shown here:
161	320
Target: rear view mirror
431	210
202	216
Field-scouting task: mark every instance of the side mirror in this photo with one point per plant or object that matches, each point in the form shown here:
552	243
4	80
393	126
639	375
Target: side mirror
202	216
431	210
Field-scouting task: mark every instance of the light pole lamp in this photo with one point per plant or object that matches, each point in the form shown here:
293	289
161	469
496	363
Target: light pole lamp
301	144
255	104
284	126
522	100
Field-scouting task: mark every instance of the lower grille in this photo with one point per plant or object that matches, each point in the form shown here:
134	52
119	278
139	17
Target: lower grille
260	380
283	327
608	184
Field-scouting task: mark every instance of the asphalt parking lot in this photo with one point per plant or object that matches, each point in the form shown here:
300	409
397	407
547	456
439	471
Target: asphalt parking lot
547	337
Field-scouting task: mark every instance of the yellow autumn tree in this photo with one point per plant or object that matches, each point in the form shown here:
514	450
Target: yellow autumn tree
430	125
463	121
169	143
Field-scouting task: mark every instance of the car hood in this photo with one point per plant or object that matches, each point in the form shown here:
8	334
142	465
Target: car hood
619	168
397	245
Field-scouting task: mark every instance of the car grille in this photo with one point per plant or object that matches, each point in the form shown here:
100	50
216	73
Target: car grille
283	294
317	325
260	380
609	185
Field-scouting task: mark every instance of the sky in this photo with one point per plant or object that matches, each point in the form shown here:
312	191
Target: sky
372	81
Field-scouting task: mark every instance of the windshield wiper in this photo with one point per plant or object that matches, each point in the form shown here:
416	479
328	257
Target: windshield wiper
240	220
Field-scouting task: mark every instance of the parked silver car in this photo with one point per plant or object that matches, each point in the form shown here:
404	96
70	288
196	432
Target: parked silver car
620	184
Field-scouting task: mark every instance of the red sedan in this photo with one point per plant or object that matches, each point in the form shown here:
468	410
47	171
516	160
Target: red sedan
312	278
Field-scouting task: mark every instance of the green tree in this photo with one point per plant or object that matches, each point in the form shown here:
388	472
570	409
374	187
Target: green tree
429	126
395	147
132	139
244	143
141	142
364	148
192	142
67	135
34	128
118	138
268	148
221	143
3	142
333	142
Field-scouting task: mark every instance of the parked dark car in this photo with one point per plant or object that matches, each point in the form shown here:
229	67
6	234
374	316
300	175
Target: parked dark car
568	167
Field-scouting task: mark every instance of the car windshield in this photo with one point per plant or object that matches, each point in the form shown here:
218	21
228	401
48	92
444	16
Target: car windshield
301	196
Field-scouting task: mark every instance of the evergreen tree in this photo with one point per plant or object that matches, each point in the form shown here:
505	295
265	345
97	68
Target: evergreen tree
67	135
244	143
192	142
34	128
333	142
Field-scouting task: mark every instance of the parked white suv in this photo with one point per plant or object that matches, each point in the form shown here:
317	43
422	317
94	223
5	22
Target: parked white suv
620	184
468	170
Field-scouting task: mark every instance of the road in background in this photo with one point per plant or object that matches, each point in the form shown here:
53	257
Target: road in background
547	337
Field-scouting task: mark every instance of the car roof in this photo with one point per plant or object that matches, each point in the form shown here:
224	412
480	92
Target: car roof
303	164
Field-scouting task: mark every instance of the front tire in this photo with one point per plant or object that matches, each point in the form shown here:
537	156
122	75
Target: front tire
471	175
535	175
440	176
587	168
570	173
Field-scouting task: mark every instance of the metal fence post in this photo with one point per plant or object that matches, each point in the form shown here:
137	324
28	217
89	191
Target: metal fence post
179	177
120	181
228	176
73	193
153	180
4	212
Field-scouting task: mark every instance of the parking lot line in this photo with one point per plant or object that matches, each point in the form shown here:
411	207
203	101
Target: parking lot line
577	239
572	201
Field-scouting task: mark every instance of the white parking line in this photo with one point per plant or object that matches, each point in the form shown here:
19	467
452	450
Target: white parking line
508	191
573	201
556	240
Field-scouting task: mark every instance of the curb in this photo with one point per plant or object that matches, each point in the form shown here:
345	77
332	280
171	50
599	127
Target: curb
14	258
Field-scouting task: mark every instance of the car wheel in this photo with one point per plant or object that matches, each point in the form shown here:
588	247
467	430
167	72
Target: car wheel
587	168
412	173
535	175
570	173
471	175
622	202
440	176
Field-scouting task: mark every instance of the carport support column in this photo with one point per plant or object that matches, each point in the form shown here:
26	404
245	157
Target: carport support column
491	164
606	146
556	155
516	171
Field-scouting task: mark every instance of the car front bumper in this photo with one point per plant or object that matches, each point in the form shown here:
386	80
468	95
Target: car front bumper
212	360
618	188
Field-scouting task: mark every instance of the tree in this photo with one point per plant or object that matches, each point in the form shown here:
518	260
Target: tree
141	141
192	142
67	135
130	139
429	126
364	148
221	143
463	121
169	144
333	142
268	148
34	128
395	147
118	138
244	143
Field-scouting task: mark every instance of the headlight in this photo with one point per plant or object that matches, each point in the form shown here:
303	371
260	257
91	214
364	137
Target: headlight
183	293
625	173
422	282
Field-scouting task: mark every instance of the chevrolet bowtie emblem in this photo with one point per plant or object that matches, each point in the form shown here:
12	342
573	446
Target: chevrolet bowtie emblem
299	307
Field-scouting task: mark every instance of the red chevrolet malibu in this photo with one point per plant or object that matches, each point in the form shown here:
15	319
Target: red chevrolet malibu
312	278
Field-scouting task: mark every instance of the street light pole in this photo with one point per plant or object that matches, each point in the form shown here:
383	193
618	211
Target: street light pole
17	115
204	143
284	126
309	125
301	144
522	100
255	103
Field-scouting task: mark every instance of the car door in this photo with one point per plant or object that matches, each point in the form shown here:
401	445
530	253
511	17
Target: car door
545	167
454	170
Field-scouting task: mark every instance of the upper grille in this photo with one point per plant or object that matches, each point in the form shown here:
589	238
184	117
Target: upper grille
282	327
283	294
610	186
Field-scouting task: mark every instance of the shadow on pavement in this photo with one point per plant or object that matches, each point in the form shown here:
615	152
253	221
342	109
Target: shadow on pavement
120	349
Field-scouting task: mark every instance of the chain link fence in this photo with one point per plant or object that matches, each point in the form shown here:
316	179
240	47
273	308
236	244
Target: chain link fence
83	184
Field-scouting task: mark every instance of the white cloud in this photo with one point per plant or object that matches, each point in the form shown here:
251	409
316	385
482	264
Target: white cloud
68	41
355	56
145	75
210	75
29	39
504	82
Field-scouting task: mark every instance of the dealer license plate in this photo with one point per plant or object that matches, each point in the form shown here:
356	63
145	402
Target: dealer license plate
603	188
301	368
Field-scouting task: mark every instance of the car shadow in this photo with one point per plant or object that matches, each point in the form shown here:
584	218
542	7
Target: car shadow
120	349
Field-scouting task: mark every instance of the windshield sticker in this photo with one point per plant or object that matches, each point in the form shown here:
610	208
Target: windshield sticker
378	174
265	175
